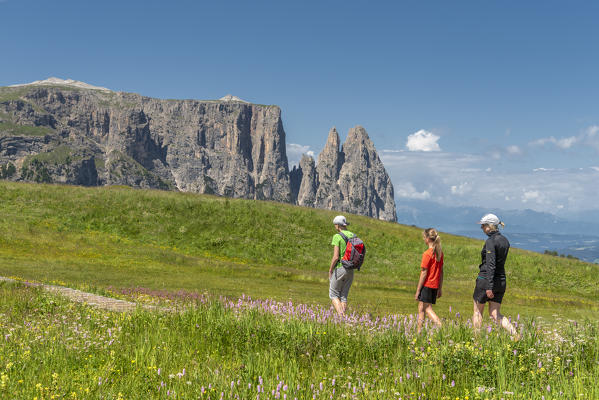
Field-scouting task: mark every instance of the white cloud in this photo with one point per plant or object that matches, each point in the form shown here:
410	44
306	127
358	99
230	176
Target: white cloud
589	137
407	190
592	137
295	152
498	153
461	189
442	176
532	195
566	143
514	150
563	143
423	141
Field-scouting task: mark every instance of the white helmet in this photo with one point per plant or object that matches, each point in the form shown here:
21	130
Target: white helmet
340	220
489	219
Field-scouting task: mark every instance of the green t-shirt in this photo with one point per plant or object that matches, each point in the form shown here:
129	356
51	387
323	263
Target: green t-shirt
338	241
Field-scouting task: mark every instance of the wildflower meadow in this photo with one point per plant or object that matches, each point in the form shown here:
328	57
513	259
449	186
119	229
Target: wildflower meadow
217	348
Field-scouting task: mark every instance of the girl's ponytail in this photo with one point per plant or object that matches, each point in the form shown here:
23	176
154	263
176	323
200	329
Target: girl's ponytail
432	235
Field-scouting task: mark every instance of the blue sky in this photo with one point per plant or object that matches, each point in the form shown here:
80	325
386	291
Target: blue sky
498	101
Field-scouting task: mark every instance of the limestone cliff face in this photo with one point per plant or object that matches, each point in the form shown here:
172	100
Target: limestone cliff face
70	132
229	148
352	179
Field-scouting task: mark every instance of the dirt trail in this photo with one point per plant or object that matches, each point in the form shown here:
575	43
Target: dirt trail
95	300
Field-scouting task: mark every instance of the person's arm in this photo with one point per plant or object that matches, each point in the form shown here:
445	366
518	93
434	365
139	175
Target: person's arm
439	292
491	265
334	260
423	275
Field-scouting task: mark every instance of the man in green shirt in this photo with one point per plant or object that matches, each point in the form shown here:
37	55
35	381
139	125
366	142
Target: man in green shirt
340	279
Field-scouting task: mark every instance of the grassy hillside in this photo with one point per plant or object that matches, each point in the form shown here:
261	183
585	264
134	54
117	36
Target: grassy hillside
94	238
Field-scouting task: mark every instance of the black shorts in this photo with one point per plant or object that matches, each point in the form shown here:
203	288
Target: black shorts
428	295
480	293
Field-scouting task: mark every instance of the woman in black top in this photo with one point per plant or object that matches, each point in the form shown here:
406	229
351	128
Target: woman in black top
490	282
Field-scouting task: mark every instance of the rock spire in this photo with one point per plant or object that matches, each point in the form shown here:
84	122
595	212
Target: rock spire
351	179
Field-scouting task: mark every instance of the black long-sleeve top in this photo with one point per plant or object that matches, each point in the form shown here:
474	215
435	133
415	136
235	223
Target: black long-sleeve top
493	255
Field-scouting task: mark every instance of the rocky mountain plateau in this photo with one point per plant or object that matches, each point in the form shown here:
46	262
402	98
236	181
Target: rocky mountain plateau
65	131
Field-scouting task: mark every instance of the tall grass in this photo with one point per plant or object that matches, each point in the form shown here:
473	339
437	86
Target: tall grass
52	348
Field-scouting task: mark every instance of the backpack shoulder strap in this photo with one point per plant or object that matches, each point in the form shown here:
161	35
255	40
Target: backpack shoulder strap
345	238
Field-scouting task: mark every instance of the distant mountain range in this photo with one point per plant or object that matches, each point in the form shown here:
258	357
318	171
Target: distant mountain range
527	229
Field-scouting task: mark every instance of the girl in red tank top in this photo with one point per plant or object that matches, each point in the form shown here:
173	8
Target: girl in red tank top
431	278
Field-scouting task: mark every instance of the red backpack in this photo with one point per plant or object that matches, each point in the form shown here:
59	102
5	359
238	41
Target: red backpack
355	250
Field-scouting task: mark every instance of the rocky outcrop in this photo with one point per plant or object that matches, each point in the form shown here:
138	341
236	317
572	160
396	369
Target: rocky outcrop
229	148
363	180
351	179
329	163
74	133
305	182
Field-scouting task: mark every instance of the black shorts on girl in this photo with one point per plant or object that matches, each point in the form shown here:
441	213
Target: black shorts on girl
480	293
428	295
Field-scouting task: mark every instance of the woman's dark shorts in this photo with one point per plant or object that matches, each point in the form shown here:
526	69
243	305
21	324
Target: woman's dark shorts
480	293
428	295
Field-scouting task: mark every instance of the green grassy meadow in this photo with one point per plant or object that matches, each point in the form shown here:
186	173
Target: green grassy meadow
202	253
98	237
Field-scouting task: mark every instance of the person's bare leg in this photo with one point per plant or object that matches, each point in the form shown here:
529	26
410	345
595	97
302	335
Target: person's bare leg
339	306
420	315
477	317
495	313
432	315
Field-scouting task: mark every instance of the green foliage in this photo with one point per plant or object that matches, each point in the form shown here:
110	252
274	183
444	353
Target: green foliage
24	130
58	156
132	167
7	170
556	254
100	163
12	94
34	170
